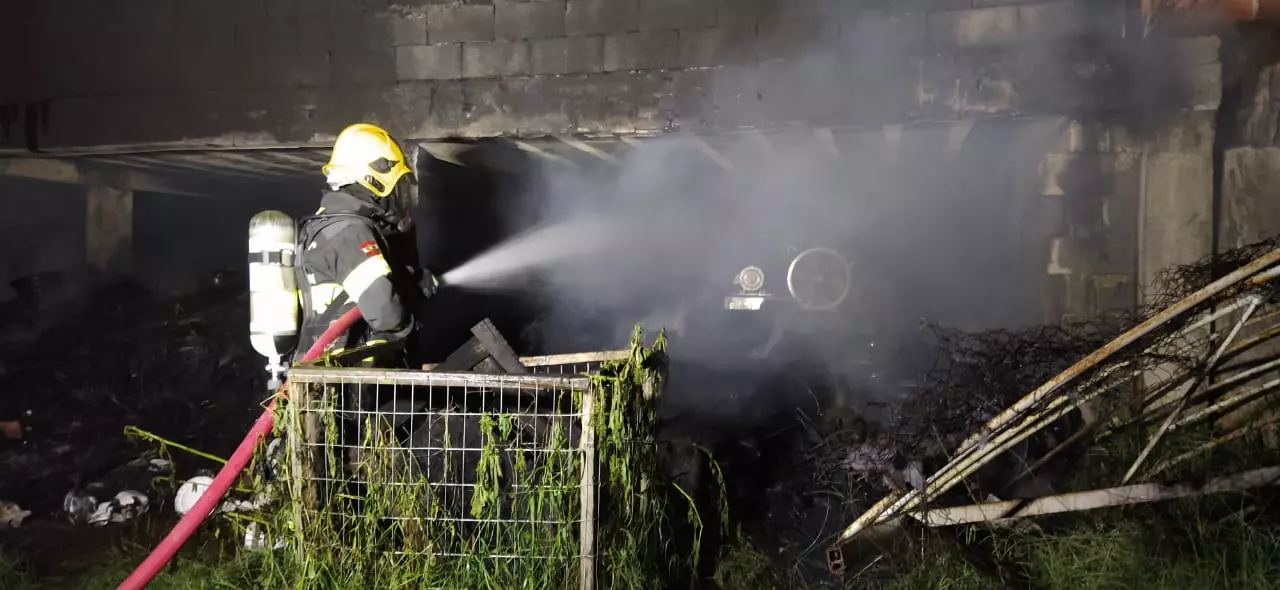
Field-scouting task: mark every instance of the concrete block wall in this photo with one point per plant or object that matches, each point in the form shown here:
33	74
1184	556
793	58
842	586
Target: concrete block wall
1120	204
1131	193
1121	194
1250	182
245	72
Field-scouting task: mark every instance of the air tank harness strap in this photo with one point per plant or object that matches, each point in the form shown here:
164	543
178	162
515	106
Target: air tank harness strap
330	314
269	257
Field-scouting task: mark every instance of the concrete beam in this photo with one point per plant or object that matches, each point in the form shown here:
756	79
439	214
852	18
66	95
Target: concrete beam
108	221
62	171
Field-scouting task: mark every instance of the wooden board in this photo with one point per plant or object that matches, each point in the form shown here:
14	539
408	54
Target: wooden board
498	348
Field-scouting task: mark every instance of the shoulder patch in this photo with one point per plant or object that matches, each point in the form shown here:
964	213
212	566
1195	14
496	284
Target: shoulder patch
370	248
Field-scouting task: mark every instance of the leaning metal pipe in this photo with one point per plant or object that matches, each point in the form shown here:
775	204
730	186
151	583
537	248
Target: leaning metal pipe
1228	403
147	570
1057	408
1154	406
962	467
998	441
1035	398
1211	392
1181	402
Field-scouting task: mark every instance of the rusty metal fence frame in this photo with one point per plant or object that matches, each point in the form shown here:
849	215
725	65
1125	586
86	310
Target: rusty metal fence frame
555	391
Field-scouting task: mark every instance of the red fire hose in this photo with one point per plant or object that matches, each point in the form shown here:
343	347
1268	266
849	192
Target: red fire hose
147	570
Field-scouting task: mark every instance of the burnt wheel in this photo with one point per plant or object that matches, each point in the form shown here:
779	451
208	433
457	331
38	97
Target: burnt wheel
819	279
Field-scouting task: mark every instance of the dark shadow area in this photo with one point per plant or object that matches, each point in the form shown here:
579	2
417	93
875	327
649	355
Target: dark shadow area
460	215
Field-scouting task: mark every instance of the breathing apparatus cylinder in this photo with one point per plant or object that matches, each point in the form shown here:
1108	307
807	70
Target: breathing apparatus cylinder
273	290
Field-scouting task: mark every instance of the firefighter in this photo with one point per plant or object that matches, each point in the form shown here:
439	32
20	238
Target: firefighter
358	248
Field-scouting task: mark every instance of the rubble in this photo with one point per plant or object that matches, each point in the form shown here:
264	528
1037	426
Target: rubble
978	375
117	356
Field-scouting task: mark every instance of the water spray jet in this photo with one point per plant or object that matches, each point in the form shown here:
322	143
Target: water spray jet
556	244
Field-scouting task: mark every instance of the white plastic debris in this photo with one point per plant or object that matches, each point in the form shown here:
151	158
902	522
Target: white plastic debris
189	493
255	539
914	474
130	504
12	515
125	506
79	506
275	459
101	515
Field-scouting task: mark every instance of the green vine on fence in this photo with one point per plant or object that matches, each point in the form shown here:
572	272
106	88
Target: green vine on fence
381	522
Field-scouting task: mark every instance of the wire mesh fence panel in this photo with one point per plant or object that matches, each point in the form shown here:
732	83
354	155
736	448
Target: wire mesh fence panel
454	467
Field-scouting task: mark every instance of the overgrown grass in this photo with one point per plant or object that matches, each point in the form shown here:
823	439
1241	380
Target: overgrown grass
1115	552
1216	541
649	530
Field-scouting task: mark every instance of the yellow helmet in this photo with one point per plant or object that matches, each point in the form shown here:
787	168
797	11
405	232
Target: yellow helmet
367	155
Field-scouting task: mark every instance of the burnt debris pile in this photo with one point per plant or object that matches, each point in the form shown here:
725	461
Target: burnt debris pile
121	355
978	375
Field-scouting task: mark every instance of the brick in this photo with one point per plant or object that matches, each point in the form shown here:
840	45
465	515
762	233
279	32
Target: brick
923	6
1119	238
491	107
1189	132
460	23
311	25
965	84
1067	256
677	14
408	29
363	66
718	46
405	106
495	58
601	17
735	96
1205	92
793	39
534	110
1046	217
690	104
1192	52
1114	293
1177	212
819	9
1250	211
600	103
530	20
448	108
1097	175
748	13
429	62
353	103
567	55
974	28
308	70
649	92
374	32
874	30
1070	18
637	51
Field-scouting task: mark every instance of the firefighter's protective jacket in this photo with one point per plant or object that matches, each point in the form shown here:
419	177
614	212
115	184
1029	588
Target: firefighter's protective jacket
345	262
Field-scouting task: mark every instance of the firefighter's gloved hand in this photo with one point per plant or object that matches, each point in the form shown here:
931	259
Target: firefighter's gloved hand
429	284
